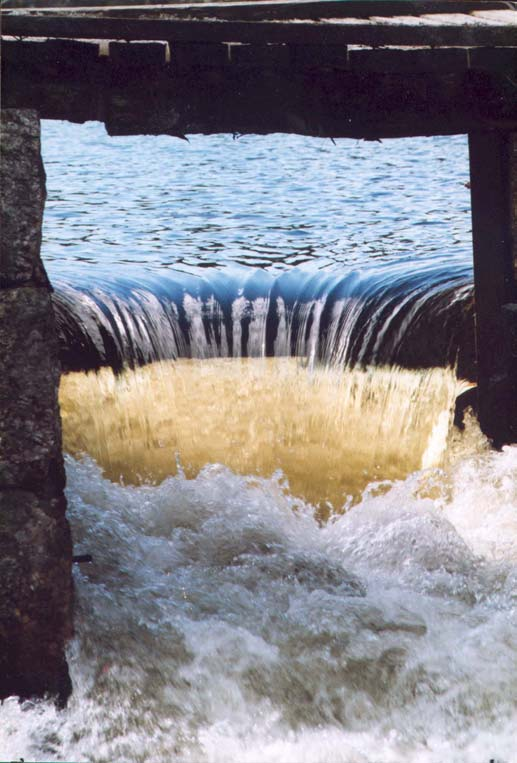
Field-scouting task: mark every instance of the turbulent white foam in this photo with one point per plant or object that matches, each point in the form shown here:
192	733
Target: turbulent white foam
220	622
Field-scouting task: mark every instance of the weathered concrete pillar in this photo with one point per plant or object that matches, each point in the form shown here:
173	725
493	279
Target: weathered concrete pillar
35	544
493	175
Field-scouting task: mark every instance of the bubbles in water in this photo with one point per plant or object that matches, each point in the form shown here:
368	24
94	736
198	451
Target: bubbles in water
221	621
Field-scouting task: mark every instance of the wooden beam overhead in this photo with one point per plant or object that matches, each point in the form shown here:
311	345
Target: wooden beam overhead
412	32
69	55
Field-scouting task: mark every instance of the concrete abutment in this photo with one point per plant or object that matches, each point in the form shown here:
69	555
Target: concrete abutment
35	542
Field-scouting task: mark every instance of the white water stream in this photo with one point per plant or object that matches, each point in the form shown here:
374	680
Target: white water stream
220	621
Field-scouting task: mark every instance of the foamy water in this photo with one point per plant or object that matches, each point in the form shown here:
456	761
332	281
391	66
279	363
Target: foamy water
221	622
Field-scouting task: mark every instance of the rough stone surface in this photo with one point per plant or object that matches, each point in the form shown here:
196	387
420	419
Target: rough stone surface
30	454
35	543
22	197
35	595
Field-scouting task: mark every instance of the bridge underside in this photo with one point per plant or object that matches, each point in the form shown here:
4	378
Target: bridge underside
328	91
334	68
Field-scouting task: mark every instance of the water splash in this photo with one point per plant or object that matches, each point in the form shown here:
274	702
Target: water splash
220	621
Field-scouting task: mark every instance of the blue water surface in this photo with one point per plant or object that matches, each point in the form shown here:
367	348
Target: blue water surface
125	205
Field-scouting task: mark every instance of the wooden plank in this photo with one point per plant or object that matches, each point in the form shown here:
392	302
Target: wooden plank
340	32
446	19
62	55
208	96
327	103
407	60
494	281
76	54
199	55
506	17
273	57
502	60
275	9
308	57
261	57
130	55
459	19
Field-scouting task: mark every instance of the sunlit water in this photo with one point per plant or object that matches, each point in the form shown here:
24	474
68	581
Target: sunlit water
253	595
329	432
159	203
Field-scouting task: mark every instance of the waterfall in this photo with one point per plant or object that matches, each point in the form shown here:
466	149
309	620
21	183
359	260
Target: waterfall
330	433
295	555
416	319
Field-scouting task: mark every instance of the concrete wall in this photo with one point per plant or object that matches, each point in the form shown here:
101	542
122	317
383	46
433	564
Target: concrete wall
35	544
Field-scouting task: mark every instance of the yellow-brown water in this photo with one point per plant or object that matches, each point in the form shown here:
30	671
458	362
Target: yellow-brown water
331	432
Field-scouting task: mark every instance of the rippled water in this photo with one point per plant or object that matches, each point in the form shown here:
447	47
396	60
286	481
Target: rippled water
264	201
